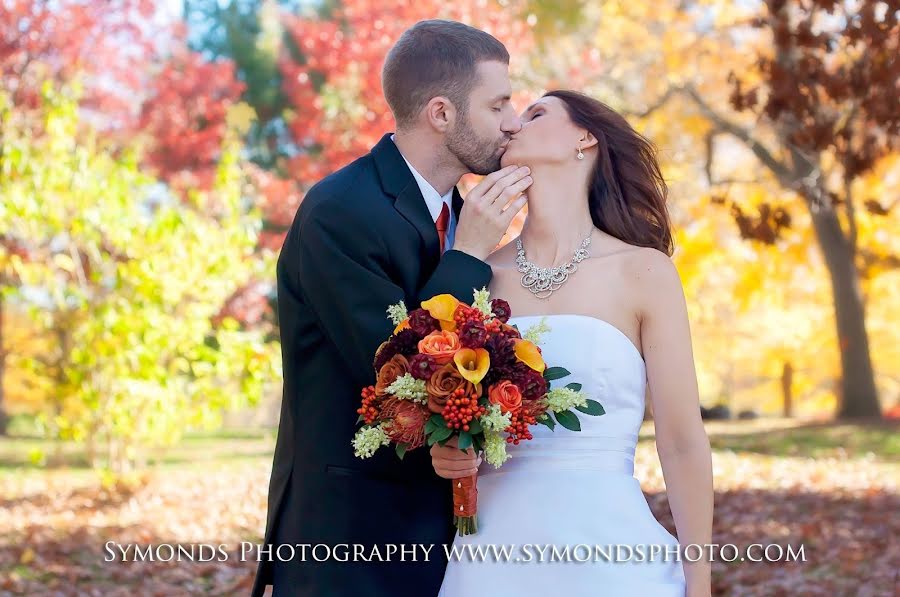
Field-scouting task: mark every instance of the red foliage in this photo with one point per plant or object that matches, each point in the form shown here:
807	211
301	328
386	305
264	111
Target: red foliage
41	40
347	51
831	82
279	199
248	305
185	116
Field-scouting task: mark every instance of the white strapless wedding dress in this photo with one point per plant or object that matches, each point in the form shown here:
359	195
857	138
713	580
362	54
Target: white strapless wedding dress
572	490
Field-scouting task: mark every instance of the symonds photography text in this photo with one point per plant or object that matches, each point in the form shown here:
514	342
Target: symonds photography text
424	552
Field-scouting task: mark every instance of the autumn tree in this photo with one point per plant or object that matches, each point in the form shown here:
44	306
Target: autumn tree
313	75
828	91
144	93
786	122
42	40
132	280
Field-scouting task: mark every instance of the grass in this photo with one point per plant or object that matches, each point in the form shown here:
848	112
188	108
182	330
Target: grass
772	437
796	438
19	454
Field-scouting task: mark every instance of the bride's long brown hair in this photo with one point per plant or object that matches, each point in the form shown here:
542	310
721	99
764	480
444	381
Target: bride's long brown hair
627	194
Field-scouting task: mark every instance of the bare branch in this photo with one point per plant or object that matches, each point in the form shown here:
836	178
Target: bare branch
873	259
783	172
670	92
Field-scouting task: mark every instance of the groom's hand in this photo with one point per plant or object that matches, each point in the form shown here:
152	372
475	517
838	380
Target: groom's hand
451	463
483	221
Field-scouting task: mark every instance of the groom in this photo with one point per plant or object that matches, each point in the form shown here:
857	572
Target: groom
390	226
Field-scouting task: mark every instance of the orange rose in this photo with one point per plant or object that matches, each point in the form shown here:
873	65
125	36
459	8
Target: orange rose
507	395
441	345
443	383
390	371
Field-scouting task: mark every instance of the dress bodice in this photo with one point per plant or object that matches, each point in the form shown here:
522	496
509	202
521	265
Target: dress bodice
572	489
611	371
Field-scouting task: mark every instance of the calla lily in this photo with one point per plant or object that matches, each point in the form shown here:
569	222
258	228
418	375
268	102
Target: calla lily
472	363
403	325
442	307
528	353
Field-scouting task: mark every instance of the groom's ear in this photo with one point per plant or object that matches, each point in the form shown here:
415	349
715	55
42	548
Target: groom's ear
440	114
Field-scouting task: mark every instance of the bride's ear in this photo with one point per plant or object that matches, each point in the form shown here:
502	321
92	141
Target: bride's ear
587	140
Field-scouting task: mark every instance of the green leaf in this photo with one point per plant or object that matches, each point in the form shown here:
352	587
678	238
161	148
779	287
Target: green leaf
478	442
434	423
440	434
465	440
361	419
552	373
593	408
401	450
548	421
574	386
569	420
475	426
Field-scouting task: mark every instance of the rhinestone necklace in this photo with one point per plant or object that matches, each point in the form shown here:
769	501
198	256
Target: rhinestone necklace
541	280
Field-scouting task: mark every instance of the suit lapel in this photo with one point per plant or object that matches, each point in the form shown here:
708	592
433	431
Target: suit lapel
412	206
457	203
398	182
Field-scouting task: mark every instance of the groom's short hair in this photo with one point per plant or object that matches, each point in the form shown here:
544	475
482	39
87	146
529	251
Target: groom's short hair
432	58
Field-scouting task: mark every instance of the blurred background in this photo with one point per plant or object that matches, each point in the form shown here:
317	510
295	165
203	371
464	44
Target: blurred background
152	155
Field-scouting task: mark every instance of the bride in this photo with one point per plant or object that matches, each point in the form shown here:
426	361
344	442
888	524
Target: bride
619	325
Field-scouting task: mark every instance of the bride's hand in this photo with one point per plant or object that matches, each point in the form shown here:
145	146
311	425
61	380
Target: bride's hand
451	463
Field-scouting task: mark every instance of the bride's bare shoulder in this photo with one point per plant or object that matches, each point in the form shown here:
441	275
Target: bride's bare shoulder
649	265
653	281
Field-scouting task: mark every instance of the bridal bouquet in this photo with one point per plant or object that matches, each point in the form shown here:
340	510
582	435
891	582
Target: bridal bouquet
455	370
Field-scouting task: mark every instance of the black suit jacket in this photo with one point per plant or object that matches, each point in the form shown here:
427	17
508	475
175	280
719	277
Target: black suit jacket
362	239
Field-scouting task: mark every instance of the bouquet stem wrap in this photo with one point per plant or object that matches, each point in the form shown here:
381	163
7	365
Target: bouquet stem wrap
465	501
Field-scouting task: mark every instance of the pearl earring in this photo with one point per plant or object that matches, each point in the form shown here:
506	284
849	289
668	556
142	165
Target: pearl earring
580	155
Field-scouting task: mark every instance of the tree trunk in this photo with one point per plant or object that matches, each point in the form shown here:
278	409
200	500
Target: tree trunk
787	375
859	397
4	418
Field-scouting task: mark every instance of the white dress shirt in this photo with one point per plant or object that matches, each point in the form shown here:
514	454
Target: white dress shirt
434	202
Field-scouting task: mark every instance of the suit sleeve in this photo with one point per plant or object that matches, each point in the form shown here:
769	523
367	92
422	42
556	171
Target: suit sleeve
345	280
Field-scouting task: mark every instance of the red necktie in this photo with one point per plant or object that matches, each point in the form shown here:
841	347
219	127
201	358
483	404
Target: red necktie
442	224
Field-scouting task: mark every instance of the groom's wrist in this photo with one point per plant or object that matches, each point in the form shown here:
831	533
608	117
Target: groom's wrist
476	253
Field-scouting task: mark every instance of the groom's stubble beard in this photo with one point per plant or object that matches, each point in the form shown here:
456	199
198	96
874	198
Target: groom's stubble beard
478	155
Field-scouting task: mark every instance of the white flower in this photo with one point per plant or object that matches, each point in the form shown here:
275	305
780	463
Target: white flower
482	301
495	449
534	332
494	420
560	399
368	439
397	313
407	387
